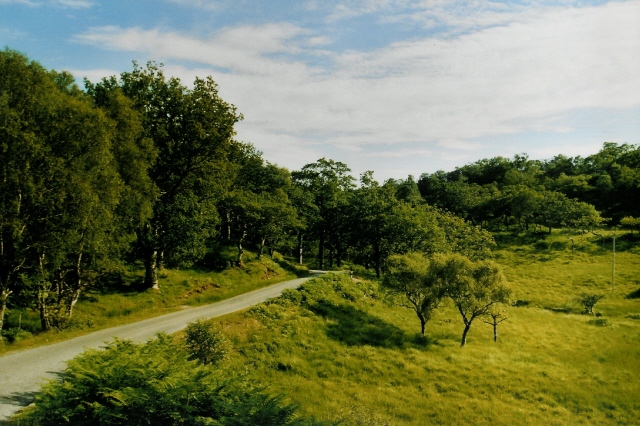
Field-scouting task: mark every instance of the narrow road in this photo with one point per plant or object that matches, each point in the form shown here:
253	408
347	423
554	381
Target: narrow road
22	373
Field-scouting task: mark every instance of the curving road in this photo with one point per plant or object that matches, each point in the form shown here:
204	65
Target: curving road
22	373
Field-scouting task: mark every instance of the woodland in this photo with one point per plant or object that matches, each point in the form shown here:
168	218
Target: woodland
112	187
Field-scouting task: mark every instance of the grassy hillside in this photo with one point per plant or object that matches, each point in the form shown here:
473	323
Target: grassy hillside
124	301
339	350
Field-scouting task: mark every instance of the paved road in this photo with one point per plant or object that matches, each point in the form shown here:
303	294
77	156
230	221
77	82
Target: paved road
22	373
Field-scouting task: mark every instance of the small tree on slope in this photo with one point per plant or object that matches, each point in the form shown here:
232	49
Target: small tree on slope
474	287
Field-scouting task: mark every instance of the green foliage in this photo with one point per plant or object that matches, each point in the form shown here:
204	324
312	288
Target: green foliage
411	276
61	192
153	383
630	223
204	343
589	300
475	287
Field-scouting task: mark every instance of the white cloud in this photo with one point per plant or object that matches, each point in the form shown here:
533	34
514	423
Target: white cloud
70	4
24	2
505	72
202	4
74	4
241	49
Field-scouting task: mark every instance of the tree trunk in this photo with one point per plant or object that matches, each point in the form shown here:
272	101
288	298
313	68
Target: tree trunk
467	326
495	331
423	323
262	243
160	261
321	251
72	302
45	320
4	296
75	294
151	269
330	256
300	237
239	263
376	261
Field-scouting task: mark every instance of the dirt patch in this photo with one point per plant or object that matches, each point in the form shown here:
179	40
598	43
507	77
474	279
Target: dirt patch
200	290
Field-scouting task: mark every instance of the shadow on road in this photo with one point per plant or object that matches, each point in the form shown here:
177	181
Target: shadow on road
21	400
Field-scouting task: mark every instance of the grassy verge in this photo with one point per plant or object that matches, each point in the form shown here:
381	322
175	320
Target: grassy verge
105	308
340	351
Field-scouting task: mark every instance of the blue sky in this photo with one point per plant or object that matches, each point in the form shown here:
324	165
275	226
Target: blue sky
396	86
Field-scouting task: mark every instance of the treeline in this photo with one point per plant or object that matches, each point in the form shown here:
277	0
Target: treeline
139	170
575	192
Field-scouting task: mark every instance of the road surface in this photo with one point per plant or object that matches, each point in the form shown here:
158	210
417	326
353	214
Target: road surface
22	373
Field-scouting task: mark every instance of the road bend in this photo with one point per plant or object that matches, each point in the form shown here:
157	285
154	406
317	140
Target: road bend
23	372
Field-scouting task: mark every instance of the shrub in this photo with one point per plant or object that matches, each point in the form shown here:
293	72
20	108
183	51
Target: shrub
541	245
589	301
599	322
153	384
204	343
14	335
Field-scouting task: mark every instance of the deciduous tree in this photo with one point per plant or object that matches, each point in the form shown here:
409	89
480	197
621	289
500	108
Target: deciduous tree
474	287
410	277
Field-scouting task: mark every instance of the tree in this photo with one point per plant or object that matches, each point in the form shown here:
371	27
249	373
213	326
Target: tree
524	203
461	236
329	182
205	343
258	206
410	276
630	223
497	315
474	287
192	132
307	214
589	300
408	191
60	187
243	209
381	225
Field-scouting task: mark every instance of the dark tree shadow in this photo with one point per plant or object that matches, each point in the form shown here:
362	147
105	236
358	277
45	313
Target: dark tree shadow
20	401
23	399
116	282
634	294
354	327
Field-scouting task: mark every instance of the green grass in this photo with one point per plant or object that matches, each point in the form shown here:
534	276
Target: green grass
105	308
340	351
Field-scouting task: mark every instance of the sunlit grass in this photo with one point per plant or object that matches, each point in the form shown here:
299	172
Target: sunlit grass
361	361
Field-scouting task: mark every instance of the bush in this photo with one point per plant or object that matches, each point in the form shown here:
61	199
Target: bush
153	384
14	335
589	301
599	322
541	245
204	343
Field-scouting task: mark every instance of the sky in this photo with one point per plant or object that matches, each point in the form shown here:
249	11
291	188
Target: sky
399	87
